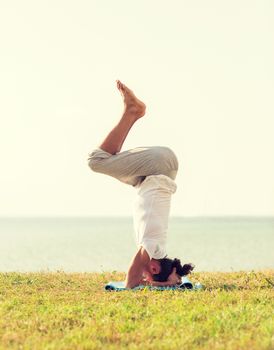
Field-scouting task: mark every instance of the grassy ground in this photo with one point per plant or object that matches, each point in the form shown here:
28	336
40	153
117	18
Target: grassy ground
72	311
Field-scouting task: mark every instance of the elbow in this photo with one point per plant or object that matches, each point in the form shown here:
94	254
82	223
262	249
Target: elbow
131	285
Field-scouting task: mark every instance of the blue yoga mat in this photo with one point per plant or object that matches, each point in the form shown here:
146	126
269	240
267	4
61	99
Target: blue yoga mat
186	284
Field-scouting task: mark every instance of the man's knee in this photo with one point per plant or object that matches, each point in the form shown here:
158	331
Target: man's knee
97	160
93	164
166	155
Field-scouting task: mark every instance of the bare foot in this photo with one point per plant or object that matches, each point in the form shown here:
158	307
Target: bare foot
132	104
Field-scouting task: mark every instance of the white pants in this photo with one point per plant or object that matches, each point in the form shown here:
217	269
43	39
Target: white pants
132	166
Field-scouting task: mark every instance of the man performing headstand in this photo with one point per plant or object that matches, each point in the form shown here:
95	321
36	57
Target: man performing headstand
152	171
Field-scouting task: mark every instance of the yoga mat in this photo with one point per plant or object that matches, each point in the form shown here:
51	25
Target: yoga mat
186	284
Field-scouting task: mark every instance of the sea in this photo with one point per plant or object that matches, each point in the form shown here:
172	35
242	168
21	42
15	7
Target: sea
89	244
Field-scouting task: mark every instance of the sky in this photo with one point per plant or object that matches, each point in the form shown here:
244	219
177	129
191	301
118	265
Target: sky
203	68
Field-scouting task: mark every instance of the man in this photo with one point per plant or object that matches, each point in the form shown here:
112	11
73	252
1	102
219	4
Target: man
152	171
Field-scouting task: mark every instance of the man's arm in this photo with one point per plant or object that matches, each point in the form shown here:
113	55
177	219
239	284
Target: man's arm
137	267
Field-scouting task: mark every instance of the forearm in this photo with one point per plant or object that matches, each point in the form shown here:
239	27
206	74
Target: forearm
133	278
136	269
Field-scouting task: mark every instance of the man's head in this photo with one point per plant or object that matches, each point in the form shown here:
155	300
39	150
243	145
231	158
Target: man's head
162	268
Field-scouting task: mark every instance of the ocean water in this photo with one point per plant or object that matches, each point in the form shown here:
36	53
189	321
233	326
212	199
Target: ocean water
107	244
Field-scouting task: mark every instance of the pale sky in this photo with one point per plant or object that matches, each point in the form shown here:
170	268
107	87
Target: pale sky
204	69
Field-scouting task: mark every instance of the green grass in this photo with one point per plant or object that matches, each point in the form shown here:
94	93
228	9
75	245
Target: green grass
72	311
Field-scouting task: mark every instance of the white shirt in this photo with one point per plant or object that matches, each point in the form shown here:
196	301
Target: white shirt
151	213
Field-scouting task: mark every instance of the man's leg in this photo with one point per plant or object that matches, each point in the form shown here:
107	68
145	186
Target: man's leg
132	166
134	109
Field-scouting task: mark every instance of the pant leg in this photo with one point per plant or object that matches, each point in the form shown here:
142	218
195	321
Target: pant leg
132	166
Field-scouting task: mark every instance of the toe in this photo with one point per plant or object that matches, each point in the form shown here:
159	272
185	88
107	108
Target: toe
122	87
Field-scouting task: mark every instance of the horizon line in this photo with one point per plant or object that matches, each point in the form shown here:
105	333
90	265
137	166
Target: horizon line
128	216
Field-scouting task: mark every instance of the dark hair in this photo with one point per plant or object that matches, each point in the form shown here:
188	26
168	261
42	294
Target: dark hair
167	266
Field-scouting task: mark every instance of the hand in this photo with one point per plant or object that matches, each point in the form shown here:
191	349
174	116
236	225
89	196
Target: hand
173	278
147	276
